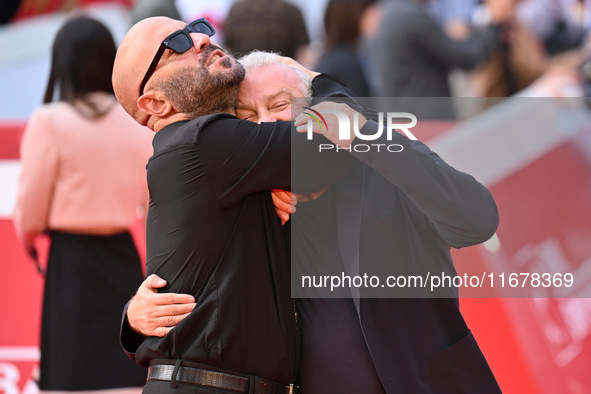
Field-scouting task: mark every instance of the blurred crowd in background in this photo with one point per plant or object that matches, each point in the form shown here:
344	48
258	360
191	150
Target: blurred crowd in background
378	48
402	48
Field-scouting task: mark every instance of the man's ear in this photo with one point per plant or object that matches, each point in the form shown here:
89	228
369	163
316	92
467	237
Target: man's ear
155	104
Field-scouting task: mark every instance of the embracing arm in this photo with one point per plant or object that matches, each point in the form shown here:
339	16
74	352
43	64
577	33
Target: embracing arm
460	209
150	313
245	158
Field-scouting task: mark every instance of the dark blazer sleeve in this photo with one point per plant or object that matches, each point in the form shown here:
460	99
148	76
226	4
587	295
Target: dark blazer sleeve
325	85
461	209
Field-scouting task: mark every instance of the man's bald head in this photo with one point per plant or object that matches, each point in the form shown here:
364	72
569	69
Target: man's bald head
133	58
183	83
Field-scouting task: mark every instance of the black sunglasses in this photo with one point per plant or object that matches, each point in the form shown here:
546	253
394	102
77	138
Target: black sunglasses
180	41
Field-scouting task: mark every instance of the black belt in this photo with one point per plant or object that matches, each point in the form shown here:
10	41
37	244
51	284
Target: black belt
215	379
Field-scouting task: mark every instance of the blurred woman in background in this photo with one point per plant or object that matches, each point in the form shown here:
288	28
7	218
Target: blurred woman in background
83	181
342	58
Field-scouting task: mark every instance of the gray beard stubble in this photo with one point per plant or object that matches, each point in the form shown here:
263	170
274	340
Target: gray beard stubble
195	92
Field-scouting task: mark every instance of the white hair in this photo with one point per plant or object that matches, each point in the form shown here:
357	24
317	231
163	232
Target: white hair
257	59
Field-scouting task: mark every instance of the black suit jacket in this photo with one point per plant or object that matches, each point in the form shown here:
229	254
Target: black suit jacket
401	213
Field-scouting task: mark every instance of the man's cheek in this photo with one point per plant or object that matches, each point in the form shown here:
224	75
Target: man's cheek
284	115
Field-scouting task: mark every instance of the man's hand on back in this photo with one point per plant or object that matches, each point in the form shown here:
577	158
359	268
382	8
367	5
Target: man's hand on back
291	62
285	203
333	128
154	314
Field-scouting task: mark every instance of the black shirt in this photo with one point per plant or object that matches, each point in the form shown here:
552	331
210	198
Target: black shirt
212	232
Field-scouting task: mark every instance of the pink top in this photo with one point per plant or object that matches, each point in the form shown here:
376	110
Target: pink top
80	174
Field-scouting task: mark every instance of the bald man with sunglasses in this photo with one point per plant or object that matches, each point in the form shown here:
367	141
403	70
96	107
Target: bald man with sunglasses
211	230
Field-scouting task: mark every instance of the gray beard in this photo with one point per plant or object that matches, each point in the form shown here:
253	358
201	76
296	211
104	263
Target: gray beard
195	92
